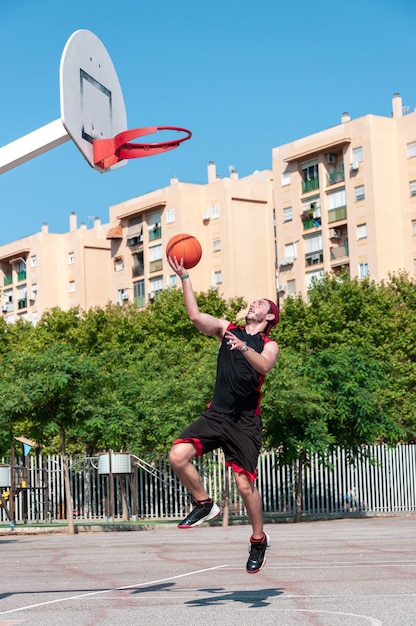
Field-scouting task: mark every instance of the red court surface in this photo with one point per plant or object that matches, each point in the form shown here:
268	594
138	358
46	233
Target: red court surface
345	572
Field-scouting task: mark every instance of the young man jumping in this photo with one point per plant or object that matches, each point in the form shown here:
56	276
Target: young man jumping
232	420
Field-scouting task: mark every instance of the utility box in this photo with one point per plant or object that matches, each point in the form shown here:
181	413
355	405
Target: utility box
120	463
5	476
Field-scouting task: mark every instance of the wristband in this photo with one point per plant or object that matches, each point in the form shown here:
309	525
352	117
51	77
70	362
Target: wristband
184	276
245	348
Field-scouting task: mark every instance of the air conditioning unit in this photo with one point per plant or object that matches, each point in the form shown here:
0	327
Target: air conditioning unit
4	308
333	233
281	288
32	296
151	295
331	158
206	217
354	166
124	296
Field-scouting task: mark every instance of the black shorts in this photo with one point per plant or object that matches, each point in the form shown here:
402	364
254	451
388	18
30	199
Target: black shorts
239	436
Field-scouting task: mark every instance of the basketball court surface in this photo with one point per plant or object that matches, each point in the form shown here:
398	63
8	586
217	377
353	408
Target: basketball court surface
345	572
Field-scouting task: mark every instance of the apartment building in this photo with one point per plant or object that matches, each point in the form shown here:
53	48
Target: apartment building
47	270
340	200
345	200
232	218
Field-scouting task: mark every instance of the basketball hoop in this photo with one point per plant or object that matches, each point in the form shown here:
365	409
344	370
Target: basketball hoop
107	152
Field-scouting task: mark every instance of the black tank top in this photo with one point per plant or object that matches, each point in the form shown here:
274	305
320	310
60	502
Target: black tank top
238	384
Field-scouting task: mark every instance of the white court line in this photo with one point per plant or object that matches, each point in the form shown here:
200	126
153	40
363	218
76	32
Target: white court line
100	591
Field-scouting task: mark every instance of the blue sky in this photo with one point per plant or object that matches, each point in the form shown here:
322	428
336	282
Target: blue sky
243	76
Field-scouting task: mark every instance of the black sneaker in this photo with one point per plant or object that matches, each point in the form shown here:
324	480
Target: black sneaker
201	513
257	554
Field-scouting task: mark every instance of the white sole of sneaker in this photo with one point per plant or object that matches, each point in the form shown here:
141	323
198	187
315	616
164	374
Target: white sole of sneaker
214	512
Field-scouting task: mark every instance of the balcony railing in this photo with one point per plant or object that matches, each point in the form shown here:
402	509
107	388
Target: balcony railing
310	222
337	176
339	252
138	270
22	303
140	301
155	233
21	275
310	185
8	280
314	258
156	266
340	213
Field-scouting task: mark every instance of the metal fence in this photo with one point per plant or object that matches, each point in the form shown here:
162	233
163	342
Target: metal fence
383	483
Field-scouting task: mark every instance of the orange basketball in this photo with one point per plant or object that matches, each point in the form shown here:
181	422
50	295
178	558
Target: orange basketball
185	247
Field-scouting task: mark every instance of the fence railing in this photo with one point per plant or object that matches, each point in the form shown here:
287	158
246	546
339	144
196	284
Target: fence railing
381	482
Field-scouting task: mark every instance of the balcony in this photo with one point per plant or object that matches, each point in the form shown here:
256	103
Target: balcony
155	233
340	213
339	252
156	266
337	176
309	221
140	301
310	185
138	270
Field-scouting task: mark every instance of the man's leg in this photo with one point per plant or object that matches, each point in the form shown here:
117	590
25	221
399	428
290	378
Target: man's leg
259	540
252	502
180	457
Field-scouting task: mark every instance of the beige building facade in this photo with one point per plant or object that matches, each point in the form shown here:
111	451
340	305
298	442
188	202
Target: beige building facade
341	200
345	201
231	217
47	270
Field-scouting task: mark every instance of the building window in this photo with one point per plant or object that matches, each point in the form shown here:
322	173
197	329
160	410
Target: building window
310	176
412	188
215	211
359	193
33	292
118	264
291	287
411	149
139	293
216	245
362	231
290	250
216	278
156	258
287	214
357	155
33	261
311	213
337	206
71	286
172	280
312	277
313	249
156	285
153	223
285	180
22	297
363	271
170	216
71	258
